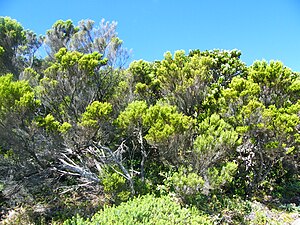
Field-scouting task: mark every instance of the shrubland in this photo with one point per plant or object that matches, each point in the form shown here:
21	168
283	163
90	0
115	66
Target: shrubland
196	138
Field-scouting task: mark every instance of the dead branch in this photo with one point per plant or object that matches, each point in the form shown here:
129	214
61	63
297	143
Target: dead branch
118	162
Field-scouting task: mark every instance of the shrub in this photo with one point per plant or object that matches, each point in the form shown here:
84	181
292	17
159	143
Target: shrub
184	183
145	210
115	187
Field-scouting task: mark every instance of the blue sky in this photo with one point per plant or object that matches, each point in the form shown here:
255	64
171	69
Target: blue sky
261	29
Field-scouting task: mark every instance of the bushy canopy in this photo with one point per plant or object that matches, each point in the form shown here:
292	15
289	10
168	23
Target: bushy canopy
193	125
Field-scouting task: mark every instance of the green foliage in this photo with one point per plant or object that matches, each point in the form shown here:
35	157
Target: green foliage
164	121
274	80
185	81
66	26
261	218
199	126
225	64
51	124
64	127
145	81
86	62
224	209
241	88
295	86
185	184
1	188
71	84
59	35
145	210
87	38
132	115
15	95
96	112
115	187
215	132
191	82
264	110
270	74
215	143
290	189
11	30
261	214
234	210
219	177
31	76
17	47
282	119
237	96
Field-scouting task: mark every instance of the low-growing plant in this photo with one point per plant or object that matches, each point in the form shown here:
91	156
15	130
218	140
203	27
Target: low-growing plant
145	210
218	177
115	187
223	209
184	183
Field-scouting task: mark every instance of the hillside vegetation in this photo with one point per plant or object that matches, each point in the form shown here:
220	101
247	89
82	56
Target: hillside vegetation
196	138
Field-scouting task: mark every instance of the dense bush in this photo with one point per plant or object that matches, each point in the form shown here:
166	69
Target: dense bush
202	127
145	210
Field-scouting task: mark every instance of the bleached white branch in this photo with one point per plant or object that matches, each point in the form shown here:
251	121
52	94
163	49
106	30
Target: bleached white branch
84	172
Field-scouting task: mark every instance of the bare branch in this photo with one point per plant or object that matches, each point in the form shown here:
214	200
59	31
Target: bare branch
84	172
118	162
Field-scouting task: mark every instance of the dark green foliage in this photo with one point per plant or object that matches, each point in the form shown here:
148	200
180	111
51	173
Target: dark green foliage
17	47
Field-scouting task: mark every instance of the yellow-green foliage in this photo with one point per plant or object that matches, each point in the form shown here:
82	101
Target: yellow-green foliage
64	127
51	124
181	71
96	112
67	59
164	121
185	183
282	119
272	74
90	62
226	63
115	187
295	86
141	71
145	210
185	80
241	87
87	62
225	174
132	115
214	135
31	76
161	120
13	30
1	50
15	95
146	84
284	122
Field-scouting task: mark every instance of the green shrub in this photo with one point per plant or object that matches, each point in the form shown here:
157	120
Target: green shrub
223	209
145	210
287	190
184	183
115	187
218	177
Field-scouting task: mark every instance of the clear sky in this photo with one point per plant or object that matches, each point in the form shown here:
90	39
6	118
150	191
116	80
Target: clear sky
261	29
